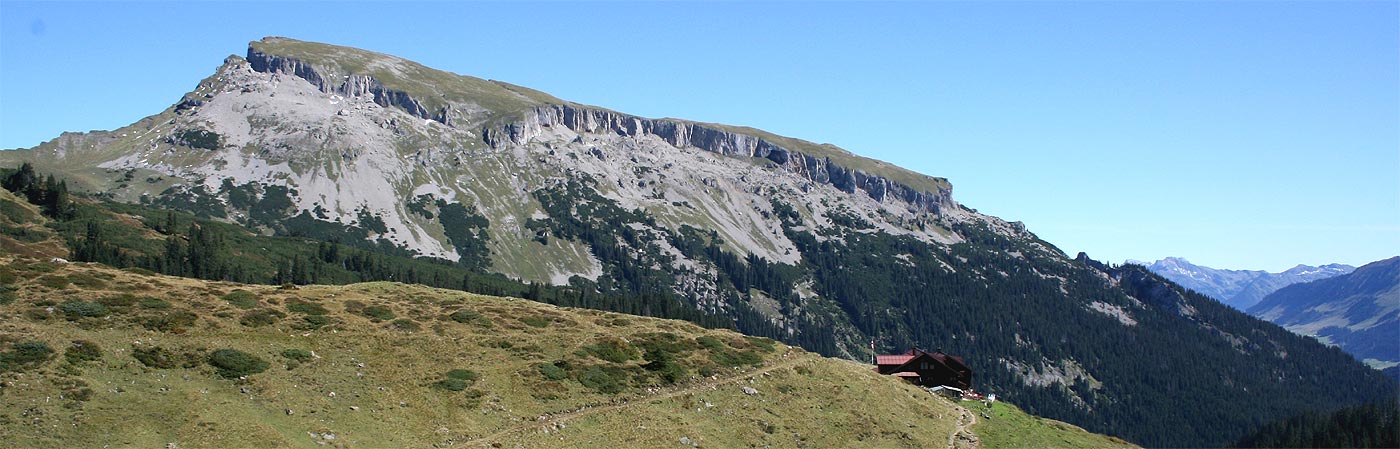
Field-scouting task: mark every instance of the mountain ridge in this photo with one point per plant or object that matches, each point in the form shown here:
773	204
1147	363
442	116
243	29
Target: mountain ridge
1358	311
1240	289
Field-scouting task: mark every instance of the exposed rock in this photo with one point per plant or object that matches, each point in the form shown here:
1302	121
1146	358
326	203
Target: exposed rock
694	135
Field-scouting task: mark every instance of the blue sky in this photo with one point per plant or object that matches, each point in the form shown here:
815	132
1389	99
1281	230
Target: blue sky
1250	135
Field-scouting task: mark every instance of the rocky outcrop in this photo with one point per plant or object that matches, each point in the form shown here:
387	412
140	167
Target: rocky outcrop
715	140
353	86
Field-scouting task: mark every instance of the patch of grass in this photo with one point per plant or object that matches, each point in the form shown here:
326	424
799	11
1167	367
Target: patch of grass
7	295
82	351
612	349
155	357
242	299
606	380
463	374
378	312
535	321
1011	427
260	317
452	384
406	325
176	321
120	302
710	343
154	303
305	307
553	371
465	316
315	321
232	363
56	282
139	271
300	355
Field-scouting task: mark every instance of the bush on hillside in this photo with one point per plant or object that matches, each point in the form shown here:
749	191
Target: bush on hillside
242	299
82	351
232	363
260	317
25	354
74	309
378	312
174	321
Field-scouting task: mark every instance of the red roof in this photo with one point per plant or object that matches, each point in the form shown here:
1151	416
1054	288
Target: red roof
892	359
905	374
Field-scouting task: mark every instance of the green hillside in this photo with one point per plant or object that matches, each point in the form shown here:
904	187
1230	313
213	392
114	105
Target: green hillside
91	356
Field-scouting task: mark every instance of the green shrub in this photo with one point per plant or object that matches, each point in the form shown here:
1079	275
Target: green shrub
86	280
612	349
303	307
766	344
553	372
535	321
354	306
261	317
154	303
381	313
82	351
7	295
121	302
242	299
736	358
300	355
25	354
315	321
232	363
709	342
405	324
55	282
603	380
463	374
174	321
450	384
76	308
154	357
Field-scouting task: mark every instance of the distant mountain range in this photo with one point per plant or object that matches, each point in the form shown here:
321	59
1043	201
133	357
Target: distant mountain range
1240	289
1359	312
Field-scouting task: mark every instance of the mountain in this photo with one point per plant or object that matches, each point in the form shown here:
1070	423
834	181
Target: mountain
135	359
1240	289
1359	312
311	163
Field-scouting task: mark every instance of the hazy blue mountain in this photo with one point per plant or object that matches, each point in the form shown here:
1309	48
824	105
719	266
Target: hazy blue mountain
1359	312
1240	289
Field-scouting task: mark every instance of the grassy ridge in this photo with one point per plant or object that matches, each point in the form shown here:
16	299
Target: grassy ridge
372	365
1009	426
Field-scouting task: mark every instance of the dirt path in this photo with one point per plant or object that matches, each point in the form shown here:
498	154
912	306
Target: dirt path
549	420
963	437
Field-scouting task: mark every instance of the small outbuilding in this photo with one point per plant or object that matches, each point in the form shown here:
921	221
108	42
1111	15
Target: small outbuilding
927	369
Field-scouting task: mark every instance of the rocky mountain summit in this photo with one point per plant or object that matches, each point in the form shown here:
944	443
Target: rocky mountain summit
777	237
1240	289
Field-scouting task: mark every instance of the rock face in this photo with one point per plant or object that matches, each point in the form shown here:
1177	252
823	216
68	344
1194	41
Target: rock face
714	140
1359	311
353	86
1240	289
